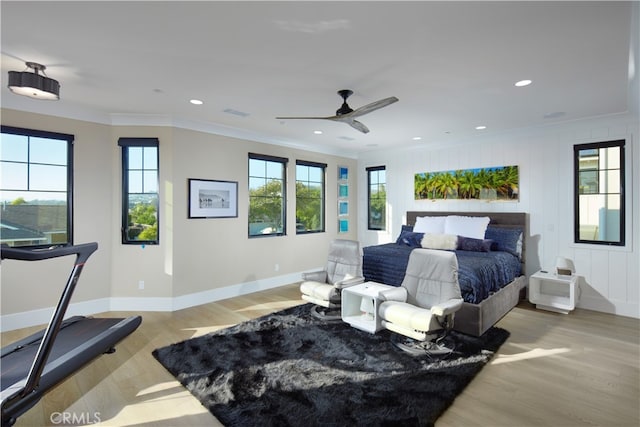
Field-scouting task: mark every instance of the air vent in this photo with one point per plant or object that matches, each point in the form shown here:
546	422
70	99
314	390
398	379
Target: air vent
235	112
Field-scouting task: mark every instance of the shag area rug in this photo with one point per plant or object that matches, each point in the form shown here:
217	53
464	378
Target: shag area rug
291	369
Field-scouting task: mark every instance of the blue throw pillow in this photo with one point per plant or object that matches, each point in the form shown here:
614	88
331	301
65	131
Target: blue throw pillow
409	238
505	239
475	245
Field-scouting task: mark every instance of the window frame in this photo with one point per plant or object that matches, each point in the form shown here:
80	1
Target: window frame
70	139
323	193
125	144
369	219
284	163
621	143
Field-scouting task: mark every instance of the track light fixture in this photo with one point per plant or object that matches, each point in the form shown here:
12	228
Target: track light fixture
33	84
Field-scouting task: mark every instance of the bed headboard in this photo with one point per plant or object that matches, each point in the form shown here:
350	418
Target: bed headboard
498	219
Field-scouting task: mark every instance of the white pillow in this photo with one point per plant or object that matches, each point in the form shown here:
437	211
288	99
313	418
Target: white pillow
440	241
467	226
429	224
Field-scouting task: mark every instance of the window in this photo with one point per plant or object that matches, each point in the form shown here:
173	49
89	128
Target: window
599	193
267	195
376	197
36	187
310	200
140	199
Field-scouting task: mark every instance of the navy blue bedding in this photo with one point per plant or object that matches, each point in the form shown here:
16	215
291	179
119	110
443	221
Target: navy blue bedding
479	273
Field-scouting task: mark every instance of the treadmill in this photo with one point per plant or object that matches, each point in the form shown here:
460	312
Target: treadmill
34	365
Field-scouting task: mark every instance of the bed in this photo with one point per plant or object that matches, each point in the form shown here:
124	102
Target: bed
491	281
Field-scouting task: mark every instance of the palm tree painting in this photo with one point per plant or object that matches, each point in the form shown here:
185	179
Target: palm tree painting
494	183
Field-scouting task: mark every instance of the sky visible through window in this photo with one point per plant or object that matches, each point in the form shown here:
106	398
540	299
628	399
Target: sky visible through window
33	168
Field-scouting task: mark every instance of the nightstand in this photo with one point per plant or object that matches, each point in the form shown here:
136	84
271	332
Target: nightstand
354	298
549	291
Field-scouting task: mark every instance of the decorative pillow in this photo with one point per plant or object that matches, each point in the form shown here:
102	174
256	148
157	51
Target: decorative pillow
467	226
430	224
406	228
475	245
440	241
409	238
505	239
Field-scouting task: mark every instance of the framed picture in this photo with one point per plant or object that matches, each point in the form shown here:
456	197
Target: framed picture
343	190
213	199
343	225
343	207
343	173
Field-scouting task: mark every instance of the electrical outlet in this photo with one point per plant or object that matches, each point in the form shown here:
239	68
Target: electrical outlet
141	284
277	267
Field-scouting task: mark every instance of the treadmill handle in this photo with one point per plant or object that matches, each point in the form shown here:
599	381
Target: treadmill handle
83	251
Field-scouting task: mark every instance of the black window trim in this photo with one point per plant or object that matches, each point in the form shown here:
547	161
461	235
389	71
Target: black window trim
285	163
323	166
576	179
372	169
70	185
126	142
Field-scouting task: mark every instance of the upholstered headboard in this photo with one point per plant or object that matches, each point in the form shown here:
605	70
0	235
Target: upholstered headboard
498	219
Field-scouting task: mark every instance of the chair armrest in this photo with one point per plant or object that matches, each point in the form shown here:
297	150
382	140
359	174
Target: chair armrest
395	294
349	282
447	307
315	276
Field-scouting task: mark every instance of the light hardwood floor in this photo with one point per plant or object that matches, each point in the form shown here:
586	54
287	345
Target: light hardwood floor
555	370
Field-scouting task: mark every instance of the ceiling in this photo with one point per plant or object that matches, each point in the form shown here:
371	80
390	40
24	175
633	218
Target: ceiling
452	65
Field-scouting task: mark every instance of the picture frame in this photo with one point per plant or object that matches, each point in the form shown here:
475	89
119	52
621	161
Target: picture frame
212	198
343	225
343	173
343	208
343	190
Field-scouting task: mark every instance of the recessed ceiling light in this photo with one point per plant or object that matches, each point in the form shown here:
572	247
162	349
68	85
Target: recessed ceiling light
522	83
196	102
317	132
417	138
482	127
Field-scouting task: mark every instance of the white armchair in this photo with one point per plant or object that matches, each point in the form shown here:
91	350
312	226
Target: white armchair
424	306
323	288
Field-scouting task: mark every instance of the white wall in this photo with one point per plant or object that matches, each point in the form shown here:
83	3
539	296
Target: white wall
545	160
197	260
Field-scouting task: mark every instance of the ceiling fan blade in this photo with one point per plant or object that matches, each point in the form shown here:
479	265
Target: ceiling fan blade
359	126
372	107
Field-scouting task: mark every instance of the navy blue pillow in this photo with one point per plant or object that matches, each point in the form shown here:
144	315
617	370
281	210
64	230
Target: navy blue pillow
409	238
505	239
475	245
406	228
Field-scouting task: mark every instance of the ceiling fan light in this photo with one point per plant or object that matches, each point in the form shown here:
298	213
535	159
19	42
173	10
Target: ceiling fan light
34	85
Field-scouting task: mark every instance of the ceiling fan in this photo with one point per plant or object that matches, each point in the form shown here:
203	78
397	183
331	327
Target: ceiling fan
347	115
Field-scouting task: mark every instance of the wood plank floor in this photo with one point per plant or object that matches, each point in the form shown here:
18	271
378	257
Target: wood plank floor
580	369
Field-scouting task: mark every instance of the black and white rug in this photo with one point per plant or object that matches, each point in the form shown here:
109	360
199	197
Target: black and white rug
291	369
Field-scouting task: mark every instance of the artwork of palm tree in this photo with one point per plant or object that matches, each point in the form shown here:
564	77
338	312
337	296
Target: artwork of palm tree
494	183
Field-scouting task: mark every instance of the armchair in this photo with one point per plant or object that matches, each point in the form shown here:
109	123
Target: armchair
323	288
424	306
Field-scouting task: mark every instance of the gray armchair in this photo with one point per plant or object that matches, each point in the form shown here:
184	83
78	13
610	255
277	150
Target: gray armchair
424	306
323	288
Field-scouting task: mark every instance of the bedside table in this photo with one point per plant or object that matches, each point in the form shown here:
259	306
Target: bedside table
549	291
352	300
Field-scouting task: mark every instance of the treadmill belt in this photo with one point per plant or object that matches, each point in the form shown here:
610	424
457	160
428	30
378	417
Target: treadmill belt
77	330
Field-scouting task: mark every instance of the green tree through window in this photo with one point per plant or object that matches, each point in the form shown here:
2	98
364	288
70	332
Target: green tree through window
267	195
310	178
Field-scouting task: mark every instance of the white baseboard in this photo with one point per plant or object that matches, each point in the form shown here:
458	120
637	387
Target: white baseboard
26	319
